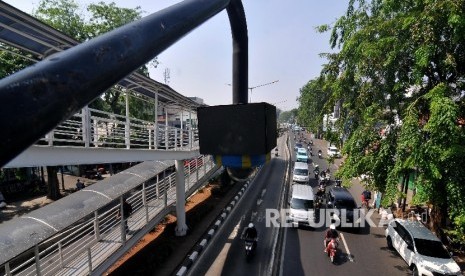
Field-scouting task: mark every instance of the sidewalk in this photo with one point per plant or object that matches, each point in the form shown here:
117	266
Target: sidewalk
18	208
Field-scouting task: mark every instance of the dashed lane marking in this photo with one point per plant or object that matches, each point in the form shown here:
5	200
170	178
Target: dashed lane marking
349	256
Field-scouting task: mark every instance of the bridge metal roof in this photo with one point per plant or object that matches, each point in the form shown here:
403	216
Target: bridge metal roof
22	31
21	234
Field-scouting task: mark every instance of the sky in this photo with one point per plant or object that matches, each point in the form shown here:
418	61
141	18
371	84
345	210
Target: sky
283	47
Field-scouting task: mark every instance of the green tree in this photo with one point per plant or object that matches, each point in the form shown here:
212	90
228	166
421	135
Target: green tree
403	61
313	101
67	16
287	116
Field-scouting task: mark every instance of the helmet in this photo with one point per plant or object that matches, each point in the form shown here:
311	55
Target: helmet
332	226
250	225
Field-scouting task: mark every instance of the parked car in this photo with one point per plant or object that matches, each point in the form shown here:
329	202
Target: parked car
420	248
333	151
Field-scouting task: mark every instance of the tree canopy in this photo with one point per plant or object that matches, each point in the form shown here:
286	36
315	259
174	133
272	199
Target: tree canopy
399	74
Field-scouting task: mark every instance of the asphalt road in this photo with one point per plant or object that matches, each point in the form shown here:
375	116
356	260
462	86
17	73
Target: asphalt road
226	255
361	253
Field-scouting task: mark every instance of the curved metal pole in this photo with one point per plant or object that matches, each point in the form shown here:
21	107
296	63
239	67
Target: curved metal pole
240	52
38	98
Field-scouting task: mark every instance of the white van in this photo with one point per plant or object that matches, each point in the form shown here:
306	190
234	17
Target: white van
301	210
300	172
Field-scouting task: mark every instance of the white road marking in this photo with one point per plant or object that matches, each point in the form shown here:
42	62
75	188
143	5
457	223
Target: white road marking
349	256
275	234
234	231
217	267
253	215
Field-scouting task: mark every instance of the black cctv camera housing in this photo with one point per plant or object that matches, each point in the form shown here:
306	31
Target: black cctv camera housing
241	129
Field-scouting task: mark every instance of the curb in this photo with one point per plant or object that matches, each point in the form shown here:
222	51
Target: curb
200	247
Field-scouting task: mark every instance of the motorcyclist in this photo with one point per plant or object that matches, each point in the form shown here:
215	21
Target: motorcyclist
366	196
251	234
322	177
331	233
316	171
321	190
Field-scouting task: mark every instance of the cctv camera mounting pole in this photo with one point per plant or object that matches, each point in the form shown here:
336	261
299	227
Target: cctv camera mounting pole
240	51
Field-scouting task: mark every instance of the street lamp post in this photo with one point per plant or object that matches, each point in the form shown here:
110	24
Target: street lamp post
252	88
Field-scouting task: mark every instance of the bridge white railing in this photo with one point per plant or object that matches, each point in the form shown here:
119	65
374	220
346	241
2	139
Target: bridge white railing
96	128
79	249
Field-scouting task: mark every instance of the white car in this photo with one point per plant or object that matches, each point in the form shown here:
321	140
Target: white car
333	151
302	155
420	248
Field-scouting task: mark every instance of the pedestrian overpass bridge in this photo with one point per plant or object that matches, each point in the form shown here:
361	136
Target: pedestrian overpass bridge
48	120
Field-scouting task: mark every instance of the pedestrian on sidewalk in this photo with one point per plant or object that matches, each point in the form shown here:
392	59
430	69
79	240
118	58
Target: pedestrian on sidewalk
79	185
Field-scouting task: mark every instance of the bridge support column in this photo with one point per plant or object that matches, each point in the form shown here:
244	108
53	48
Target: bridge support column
181	227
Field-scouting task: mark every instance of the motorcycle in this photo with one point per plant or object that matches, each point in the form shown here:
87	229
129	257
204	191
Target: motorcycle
249	248
327	178
332	246
319	154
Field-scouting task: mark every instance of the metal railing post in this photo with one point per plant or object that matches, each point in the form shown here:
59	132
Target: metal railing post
191	135
85	119
95	123
49	137
60	252
127	130
157	186
96	226
156	121
150	137
197	169
89	257
165	195
204	164
37	259
175	138
166	129
181	131
144	202
7	269
122	222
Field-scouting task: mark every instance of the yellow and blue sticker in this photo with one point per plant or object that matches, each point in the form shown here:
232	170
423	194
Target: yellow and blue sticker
242	161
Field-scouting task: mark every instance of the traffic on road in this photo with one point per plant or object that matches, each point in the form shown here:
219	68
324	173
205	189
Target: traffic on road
306	223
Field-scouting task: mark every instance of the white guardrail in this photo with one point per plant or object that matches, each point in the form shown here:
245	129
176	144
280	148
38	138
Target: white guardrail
95	128
89	242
